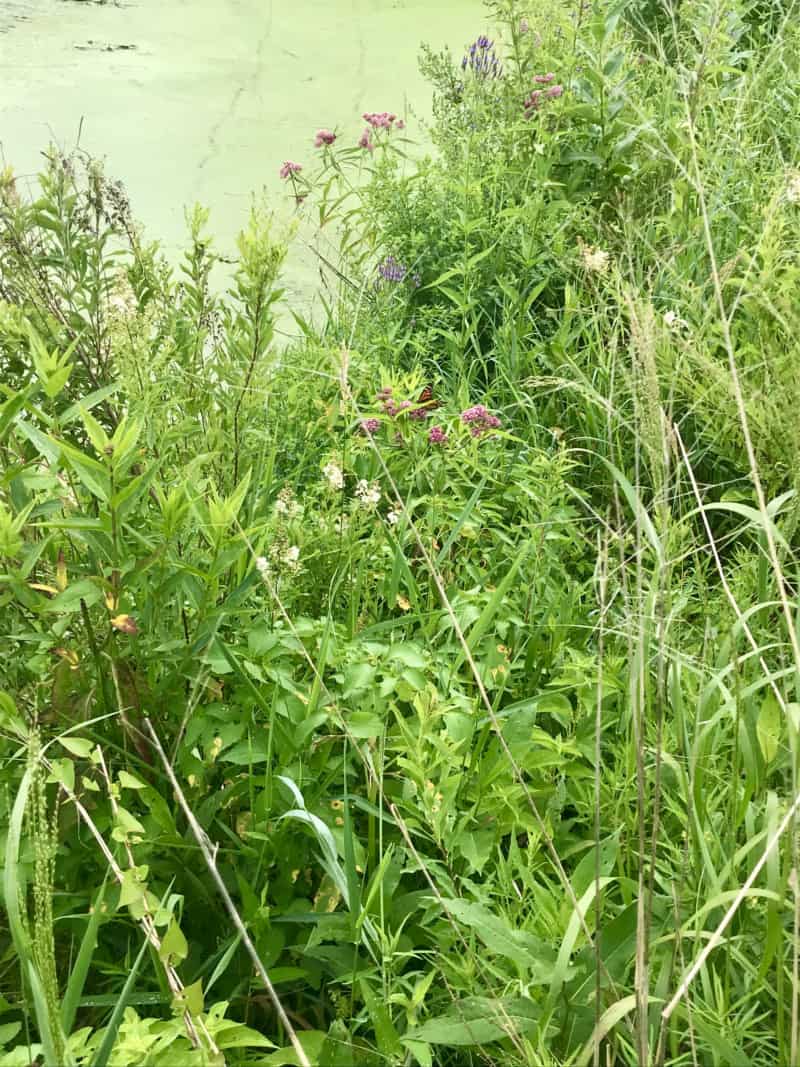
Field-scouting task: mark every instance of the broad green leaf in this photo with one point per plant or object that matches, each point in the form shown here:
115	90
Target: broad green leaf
479	1021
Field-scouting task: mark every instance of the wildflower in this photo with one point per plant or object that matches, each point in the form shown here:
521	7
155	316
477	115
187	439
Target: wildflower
400	124
673	321
437	436
369	495
544	79
262	566
479	420
481	59
793	189
392	518
281	507
126	624
595	260
419	414
365	141
286	506
391	270
554	92
324	137
291	555
334	475
288	169
370	426
380	120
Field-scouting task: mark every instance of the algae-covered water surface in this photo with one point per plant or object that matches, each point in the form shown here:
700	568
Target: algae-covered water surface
201	100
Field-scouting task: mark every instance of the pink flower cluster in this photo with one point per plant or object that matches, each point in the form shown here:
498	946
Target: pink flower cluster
437	436
479	420
289	169
539	96
378	120
370	426
324	137
382	120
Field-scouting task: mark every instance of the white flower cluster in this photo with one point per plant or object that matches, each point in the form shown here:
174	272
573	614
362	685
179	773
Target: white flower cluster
369	495
334	475
286	506
793	189
595	260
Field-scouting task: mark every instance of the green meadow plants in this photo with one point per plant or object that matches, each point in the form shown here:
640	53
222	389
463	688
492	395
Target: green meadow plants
423	691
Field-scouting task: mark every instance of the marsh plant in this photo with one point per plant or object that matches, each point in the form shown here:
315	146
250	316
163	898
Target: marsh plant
424	690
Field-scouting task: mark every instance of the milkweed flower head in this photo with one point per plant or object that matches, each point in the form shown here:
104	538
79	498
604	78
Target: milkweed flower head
380	120
288	169
534	100
370	426
365	141
480	420
324	137
437	436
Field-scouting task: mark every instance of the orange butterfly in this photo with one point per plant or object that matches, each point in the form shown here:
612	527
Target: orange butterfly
427	398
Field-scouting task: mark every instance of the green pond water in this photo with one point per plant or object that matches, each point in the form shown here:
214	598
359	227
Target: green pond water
201	100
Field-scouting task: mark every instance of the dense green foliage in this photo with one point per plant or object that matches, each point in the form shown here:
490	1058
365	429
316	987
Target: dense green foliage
473	714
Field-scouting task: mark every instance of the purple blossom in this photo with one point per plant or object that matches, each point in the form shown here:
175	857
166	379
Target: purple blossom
365	141
370	426
554	92
480	420
481	59
289	168
419	414
391	270
324	137
437	436
544	79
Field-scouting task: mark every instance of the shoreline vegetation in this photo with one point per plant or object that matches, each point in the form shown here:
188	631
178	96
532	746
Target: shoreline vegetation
426	690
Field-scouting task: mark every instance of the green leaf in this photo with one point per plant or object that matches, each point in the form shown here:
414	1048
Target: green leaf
174	947
479	1021
128	781
501	938
769	727
110	1035
78	746
80	966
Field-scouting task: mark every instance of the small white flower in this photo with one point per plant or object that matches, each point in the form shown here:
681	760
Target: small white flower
793	189
674	322
369	495
392	518
334	475
292	554
262	566
281	507
595	260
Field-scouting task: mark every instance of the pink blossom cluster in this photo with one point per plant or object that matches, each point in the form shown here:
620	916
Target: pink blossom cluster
539	96
382	120
370	426
289	169
324	137
479	420
437	436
